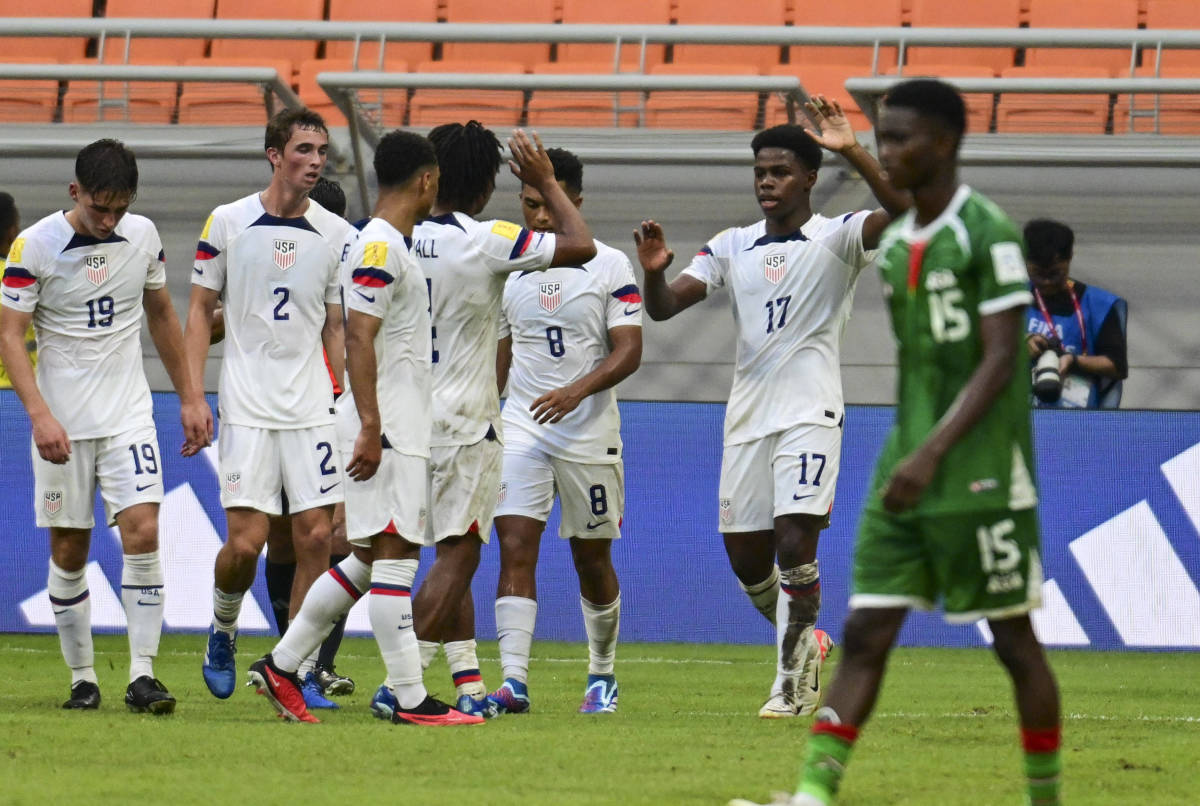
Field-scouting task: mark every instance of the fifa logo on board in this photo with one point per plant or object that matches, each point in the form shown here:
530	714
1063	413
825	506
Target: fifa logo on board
774	266
550	296
285	254
96	268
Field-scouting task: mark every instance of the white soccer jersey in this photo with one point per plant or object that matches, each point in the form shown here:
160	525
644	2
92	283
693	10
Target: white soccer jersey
791	298
381	279
559	322
465	262
86	298
277	275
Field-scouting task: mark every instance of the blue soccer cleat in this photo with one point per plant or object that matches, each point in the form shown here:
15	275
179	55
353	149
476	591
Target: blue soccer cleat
511	698
384	704
601	695
220	669
483	706
313	696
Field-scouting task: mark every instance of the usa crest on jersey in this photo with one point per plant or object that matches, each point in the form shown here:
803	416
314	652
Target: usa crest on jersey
285	254
96	268
550	296
774	266
52	501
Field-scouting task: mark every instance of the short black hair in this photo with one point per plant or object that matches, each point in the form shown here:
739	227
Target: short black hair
279	128
931	98
329	194
794	139
1048	241
468	156
8	213
400	155
107	166
567	169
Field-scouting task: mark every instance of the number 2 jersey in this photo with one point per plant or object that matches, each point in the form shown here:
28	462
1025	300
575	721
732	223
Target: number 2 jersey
466	263
86	298
791	297
277	274
559	321
939	281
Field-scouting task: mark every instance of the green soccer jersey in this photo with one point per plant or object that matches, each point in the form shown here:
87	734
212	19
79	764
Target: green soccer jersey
939	281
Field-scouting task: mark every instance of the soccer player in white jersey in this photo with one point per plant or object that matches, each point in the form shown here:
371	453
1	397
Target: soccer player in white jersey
274	256
465	263
567	337
791	278
83	278
384	422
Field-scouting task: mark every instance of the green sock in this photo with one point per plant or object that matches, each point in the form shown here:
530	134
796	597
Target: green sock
1043	770
828	754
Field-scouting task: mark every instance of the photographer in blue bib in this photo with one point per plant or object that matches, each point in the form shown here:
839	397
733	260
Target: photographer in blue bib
1075	332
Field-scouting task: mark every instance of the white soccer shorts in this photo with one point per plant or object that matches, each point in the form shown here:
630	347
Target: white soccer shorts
126	467
257	464
592	495
396	496
463	481
791	472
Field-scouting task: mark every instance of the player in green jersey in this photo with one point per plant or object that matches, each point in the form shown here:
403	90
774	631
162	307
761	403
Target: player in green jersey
952	514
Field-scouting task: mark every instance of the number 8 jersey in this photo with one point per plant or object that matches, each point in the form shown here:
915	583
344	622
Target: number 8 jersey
86	298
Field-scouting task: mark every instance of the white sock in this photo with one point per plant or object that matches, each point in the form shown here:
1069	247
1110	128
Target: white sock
72	606
429	650
603	623
390	609
795	617
515	619
464	668
142	596
226	609
330	597
764	595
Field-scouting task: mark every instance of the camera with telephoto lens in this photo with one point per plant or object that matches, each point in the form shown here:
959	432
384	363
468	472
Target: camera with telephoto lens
1047	382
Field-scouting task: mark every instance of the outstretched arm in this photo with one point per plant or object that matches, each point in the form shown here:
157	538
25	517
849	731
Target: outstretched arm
624	359
663	300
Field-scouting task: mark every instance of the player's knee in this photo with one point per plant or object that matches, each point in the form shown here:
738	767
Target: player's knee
314	541
865	639
240	553
140	537
593	565
1016	646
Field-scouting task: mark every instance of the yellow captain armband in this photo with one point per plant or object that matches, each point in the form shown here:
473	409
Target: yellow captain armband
506	229
15	253
375	255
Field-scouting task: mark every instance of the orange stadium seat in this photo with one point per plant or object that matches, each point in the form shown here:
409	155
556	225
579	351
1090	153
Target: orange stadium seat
388	107
702	110
1173	14
133	101
1121	14
55	48
612	12
375	11
939	14
292	50
1177	114
719	12
595	109
28	101
979	104
527	53
227	104
870	13
489	107
1075	114
171	51
819	79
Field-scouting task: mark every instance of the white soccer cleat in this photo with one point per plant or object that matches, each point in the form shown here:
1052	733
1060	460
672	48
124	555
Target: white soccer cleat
781	706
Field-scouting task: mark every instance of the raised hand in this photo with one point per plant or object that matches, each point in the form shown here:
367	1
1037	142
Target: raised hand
833	129
530	163
652	249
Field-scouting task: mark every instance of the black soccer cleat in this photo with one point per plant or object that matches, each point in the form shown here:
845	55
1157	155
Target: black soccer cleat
147	694
85	696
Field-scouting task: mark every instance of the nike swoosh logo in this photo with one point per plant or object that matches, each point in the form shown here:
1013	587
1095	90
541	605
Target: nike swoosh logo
330	487
148	604
141	487
198	271
59	612
591	525
370	298
630	310
13	297
801	497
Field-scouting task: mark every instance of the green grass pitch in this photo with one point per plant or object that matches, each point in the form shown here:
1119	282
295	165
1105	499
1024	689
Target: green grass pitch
943	734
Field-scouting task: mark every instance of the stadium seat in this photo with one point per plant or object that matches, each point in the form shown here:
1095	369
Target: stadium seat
28	101
1173	14
527	53
719	12
1177	114
819	79
1075	114
490	107
388	107
171	51
612	12
375	11
979	104
993	14
870	13
702	110
595	109
292	50
55	48
215	104
119	101
1120	14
